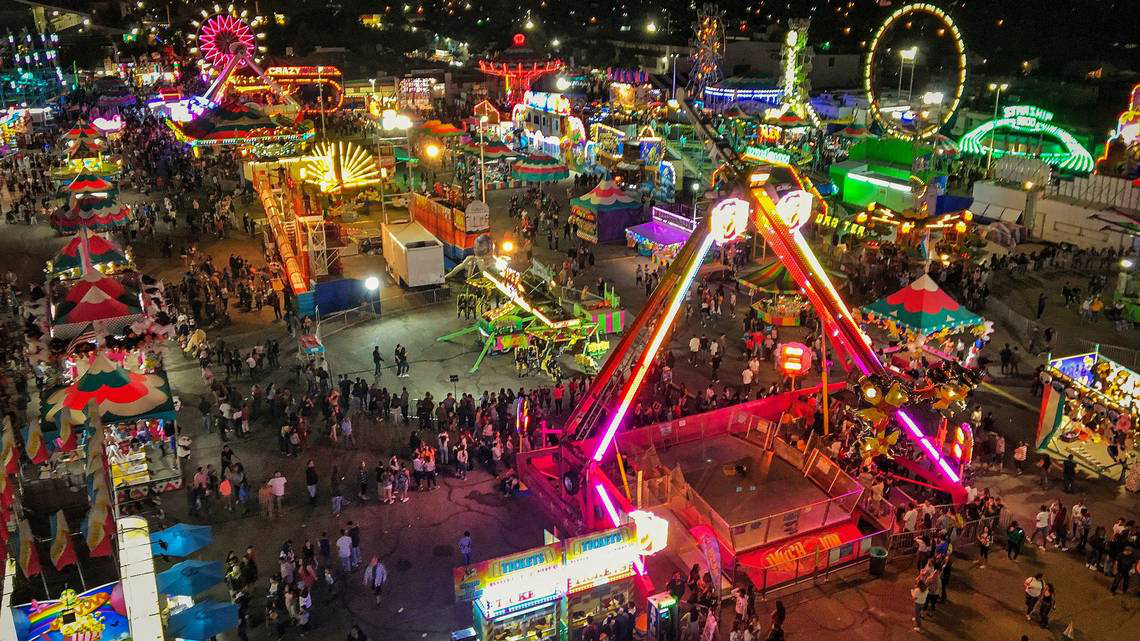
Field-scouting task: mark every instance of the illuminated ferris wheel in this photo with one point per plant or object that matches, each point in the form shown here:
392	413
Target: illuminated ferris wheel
227	39
708	49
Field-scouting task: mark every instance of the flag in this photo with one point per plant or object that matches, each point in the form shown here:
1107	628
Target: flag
34	444
9	453
96	531
62	547
66	432
29	556
95	456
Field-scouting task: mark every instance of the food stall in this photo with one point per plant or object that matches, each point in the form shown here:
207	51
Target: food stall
548	592
1089	410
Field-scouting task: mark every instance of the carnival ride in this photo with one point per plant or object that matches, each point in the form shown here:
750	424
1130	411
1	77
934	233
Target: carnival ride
708	46
518	66
907	118
227	41
1024	130
777	200
524	312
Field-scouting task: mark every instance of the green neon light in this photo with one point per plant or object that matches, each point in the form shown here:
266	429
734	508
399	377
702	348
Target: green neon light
1029	121
770	155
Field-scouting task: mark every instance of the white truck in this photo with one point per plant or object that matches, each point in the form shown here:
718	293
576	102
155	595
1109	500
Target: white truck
414	257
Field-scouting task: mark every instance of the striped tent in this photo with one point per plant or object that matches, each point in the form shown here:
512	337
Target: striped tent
605	197
95	213
100	250
120	395
94	298
539	168
81	129
923	307
231	122
89	183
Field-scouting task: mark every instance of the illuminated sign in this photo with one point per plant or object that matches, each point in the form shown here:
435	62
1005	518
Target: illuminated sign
769	134
1029	121
768	155
531	577
322	71
795	208
554	103
729	219
793	359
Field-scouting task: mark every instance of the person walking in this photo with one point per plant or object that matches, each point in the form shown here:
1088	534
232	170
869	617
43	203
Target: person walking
1015	539
354	535
1069	473
1034	586
311	480
1045	606
344	551
1019	454
1121	569
918	596
465	547
985	539
277	486
377	359
375	576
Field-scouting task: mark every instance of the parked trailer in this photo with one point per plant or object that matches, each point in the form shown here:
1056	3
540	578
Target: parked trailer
414	257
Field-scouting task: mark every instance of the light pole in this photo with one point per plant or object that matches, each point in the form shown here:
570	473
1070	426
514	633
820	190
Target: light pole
482	170
673	95
997	89
372	284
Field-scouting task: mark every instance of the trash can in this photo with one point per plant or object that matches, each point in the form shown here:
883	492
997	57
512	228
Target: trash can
878	560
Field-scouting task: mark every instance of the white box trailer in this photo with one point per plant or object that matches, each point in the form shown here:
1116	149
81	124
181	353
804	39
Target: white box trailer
414	257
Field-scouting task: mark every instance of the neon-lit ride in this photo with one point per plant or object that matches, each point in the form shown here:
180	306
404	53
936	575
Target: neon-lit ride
227	41
339	166
518	66
908	120
778	201
1028	131
316	88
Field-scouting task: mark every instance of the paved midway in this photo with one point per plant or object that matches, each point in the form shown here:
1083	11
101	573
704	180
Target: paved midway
417	539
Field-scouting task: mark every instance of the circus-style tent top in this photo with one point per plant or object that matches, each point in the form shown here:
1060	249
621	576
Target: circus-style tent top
121	395
606	196
923	307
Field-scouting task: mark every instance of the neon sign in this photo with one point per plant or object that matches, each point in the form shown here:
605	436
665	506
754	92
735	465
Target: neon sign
769	134
508	584
729	219
554	103
1029	121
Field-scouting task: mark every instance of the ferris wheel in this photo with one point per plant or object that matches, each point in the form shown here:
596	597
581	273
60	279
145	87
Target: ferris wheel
227	39
922	115
708	49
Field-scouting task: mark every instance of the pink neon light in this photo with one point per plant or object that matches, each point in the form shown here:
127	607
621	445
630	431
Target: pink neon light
909	423
615	519
647	356
219	36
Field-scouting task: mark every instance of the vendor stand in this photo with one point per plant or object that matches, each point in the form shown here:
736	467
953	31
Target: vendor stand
1088	410
548	592
603	214
661	237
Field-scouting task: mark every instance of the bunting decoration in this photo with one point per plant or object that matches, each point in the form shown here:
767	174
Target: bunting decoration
34	443
29	556
9	452
62	547
97	530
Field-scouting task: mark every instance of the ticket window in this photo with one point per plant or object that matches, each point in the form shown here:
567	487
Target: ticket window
538	623
599	603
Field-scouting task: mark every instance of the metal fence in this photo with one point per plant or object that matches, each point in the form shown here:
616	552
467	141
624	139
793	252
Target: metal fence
411	301
814	567
1022	328
1126	356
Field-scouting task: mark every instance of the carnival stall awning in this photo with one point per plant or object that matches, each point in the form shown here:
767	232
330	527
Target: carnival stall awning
655	235
86	144
190	577
120	395
88	183
99	249
80	130
923	307
539	168
606	196
203	621
491	151
856	133
96	213
231	123
93	298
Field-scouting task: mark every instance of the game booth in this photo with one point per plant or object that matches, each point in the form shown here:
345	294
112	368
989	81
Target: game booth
603	214
1089	410
779	303
662	237
548	592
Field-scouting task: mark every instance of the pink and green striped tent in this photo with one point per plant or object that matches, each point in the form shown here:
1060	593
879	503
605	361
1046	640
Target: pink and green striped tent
539	168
